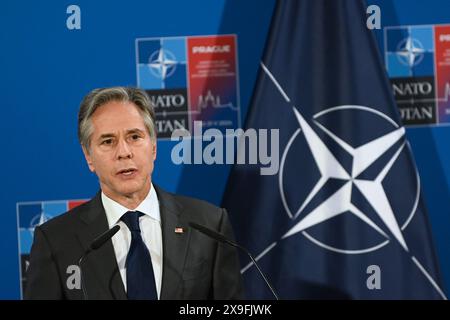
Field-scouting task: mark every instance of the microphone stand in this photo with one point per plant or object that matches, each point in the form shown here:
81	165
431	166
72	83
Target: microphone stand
219	237
96	244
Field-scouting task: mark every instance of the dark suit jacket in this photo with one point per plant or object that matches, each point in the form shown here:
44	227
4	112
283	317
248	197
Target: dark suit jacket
194	266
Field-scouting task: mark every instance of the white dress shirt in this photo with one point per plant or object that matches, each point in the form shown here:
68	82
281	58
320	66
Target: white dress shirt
150	224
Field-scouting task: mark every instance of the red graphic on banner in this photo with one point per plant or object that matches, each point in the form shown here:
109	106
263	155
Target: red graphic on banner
212	78
442	63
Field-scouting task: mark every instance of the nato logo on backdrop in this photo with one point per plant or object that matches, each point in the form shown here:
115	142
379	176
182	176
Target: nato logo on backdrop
190	79
418	63
29	216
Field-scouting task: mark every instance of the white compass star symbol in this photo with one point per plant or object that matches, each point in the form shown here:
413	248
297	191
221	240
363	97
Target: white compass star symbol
411	51
330	168
163	63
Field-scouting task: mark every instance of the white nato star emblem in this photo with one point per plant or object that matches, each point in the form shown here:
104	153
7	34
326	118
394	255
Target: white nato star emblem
410	52
162	63
330	168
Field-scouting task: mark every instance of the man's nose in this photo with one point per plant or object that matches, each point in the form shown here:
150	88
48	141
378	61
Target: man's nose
123	150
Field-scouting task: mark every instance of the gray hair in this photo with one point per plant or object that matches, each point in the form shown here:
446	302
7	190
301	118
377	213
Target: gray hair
98	97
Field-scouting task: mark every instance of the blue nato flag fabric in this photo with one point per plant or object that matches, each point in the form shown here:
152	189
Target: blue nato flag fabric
343	218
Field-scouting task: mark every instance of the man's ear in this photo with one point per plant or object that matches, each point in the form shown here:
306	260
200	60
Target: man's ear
88	158
154	150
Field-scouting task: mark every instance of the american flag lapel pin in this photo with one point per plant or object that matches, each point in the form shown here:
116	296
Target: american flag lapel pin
179	230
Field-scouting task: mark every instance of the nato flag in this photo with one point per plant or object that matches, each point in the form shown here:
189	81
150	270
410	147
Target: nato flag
343	217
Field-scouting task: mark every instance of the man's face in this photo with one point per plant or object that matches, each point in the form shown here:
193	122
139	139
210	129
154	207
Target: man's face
121	151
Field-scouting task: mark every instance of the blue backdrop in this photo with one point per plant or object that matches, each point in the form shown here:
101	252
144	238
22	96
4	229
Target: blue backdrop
46	69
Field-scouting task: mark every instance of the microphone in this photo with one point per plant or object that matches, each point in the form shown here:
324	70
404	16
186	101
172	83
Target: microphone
105	236
96	244
219	237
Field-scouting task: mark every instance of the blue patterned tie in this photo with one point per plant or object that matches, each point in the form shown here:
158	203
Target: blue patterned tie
140	276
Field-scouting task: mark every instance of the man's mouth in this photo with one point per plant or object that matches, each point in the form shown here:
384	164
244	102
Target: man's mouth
127	172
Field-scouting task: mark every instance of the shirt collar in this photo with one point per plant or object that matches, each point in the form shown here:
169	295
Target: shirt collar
149	206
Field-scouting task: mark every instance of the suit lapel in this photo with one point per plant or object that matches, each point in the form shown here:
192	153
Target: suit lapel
100	270
175	245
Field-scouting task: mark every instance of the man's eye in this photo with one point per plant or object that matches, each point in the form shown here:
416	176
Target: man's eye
107	142
135	137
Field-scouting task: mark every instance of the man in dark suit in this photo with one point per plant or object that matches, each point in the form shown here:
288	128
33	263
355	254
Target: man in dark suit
155	255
